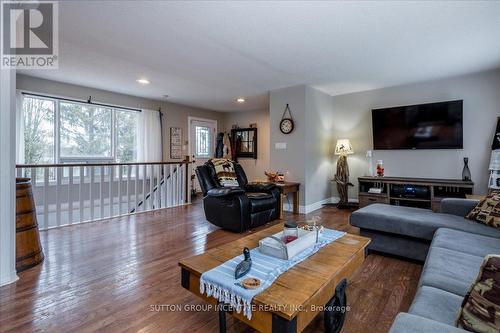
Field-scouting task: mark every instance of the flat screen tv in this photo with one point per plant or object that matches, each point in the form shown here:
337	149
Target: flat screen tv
423	126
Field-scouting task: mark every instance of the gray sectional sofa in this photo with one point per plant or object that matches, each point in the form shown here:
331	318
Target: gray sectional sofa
453	248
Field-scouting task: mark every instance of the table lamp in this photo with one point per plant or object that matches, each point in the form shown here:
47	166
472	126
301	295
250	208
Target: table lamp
343	148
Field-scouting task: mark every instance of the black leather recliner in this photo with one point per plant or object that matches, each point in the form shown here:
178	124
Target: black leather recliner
239	208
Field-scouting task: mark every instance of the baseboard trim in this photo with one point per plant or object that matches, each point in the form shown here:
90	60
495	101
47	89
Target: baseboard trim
306	209
8	279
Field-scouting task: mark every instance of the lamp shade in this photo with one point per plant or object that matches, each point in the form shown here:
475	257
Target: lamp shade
343	147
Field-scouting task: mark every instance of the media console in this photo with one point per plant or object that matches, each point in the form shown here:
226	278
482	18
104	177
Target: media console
412	192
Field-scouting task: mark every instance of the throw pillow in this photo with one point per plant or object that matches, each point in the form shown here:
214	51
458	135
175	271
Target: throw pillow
224	171
480	310
487	210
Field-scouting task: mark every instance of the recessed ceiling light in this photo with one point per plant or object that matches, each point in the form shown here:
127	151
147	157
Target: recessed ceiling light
143	81
240	100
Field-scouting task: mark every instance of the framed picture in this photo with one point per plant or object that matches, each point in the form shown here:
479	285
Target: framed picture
175	142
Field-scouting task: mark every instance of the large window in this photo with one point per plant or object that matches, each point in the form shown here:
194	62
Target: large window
39	129
58	131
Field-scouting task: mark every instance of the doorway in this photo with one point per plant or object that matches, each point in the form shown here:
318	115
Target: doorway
202	133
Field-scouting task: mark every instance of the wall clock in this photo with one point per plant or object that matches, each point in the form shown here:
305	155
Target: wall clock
286	124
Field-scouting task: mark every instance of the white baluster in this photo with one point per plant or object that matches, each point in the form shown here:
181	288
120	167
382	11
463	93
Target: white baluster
58	195
136	188
111	179
188	169
91	190
70	198
45	198
151	184
165	185
80	196
101	193
183	183
144	174
158	186
179	184
171	187
120	190
128	188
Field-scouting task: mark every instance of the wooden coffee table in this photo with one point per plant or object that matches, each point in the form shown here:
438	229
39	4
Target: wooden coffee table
298	295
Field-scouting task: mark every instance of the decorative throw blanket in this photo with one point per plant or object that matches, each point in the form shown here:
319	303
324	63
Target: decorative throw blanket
224	171
220	283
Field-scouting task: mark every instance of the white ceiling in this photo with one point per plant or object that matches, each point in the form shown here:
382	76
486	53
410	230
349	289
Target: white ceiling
207	53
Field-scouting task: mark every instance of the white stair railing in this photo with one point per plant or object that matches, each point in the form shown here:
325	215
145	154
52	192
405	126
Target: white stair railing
67	194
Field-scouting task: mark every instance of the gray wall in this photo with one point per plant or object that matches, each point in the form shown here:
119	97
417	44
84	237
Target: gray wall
308	155
254	168
49	87
481	95
175	115
321	119
292	159
319	152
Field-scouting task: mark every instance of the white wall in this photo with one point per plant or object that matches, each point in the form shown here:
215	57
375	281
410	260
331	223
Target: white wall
7	177
254	168
481	95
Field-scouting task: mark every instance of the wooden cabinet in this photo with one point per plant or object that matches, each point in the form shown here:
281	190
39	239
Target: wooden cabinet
366	199
411	192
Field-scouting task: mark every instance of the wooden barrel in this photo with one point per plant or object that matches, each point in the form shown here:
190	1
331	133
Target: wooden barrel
28	249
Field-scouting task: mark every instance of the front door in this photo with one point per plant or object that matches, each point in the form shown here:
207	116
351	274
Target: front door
201	142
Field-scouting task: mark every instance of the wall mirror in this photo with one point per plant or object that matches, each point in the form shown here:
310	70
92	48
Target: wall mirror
245	141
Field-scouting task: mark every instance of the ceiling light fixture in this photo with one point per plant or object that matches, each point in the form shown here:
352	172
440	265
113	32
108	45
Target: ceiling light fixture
143	81
240	100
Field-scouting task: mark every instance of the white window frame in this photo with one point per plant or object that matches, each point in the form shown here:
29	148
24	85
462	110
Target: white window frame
58	159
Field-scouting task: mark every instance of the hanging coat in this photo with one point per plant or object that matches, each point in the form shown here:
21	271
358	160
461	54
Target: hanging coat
227	147
219	147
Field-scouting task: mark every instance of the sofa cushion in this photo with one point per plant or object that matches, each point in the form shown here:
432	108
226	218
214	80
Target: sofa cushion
466	242
450	270
409	323
414	222
480	311
436	304
487	210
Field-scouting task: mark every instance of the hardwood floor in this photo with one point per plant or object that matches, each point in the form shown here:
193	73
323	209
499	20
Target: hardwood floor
121	275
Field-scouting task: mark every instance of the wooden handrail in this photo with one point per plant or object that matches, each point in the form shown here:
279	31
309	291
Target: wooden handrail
61	165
